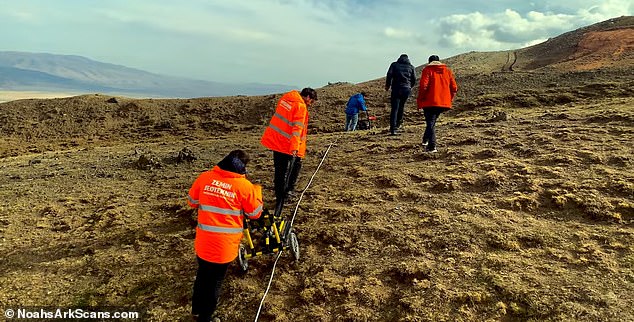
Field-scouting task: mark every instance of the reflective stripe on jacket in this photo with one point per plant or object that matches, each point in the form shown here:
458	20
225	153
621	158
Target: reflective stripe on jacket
288	127
437	86
223	198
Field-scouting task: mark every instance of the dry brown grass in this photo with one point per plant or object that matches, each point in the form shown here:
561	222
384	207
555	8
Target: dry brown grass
527	217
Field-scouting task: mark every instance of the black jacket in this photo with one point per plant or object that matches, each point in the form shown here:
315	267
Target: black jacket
401	74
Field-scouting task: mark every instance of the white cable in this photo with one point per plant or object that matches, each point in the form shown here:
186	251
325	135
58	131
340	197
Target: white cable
310	181
266	292
268	286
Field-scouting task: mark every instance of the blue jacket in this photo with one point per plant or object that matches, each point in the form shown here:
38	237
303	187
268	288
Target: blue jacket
355	103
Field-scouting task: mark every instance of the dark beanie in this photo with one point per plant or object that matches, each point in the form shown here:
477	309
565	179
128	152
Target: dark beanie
433	58
236	161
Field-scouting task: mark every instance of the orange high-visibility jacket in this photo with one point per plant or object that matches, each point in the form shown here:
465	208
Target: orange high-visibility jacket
222	198
437	86
288	127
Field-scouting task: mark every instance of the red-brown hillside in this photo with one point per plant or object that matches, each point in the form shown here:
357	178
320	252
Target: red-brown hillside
608	44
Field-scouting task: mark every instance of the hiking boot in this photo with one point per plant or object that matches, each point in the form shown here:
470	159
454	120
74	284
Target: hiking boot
431	150
425	143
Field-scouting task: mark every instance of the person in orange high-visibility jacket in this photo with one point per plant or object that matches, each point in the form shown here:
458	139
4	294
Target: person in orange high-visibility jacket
436	92
223	196
286	137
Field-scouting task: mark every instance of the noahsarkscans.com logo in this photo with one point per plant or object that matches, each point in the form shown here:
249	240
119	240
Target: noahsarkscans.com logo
72	313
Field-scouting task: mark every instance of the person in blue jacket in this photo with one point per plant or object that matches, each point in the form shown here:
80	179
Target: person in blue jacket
355	104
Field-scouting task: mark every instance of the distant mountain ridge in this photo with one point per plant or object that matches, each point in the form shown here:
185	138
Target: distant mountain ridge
50	72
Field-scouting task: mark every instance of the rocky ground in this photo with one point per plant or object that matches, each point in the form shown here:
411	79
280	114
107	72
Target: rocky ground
526	212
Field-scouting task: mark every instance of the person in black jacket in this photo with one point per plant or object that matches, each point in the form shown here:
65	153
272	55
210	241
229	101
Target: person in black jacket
401	78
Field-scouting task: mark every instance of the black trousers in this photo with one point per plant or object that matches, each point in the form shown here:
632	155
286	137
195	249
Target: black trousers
207	288
431	116
398	99
282	162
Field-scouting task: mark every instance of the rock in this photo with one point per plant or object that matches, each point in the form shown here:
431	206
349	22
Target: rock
186	155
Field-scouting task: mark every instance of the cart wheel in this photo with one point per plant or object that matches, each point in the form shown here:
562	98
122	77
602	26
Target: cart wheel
294	245
242	258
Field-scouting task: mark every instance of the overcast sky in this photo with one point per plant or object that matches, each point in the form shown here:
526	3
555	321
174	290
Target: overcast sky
294	42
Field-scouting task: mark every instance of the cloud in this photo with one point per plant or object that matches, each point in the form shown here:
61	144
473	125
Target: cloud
500	31
533	42
606	10
22	16
23	12
248	34
512	29
397	33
